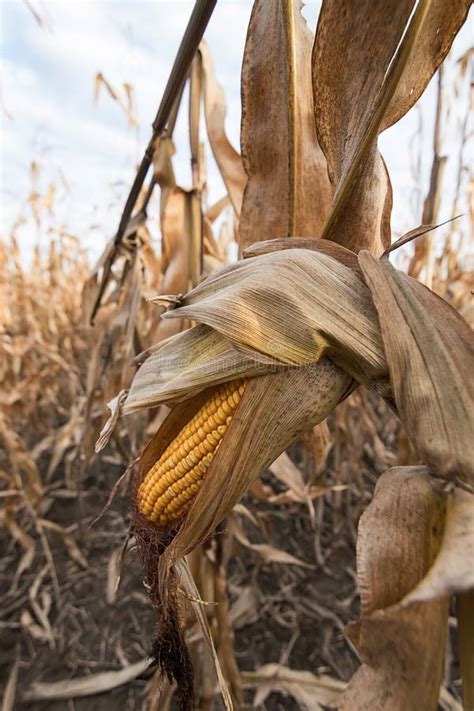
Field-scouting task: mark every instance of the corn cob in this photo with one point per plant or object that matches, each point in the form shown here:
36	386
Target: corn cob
169	487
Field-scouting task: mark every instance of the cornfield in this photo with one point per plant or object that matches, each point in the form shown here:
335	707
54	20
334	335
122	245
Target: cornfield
237	462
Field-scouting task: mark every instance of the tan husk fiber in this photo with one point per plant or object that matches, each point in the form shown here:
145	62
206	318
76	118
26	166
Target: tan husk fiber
288	191
186	364
292	306
402	648
429	350
343	255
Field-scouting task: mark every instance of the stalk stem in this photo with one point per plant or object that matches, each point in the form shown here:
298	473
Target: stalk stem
197	24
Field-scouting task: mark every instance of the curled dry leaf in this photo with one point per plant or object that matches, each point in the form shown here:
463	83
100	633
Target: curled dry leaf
367	74
452	571
430	353
288	190
185	364
268	553
313	692
402	648
85	686
115	406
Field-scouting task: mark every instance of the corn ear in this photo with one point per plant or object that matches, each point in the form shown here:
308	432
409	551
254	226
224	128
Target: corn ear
170	485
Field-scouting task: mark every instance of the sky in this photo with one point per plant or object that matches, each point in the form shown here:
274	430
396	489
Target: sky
88	150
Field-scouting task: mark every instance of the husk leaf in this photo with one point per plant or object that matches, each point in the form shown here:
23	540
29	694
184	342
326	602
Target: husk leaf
186	364
429	350
292	306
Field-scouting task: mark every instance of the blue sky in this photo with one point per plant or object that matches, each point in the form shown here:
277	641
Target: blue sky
89	151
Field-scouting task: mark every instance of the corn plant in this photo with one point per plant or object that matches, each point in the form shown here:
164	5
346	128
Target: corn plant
312	311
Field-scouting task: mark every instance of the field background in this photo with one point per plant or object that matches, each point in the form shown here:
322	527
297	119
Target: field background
79	87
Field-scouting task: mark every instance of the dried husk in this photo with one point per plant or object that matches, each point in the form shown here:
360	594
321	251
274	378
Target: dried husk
292	306
402	648
343	255
288	190
430	354
184	365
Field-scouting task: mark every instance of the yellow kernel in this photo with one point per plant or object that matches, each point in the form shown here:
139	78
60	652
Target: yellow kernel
172	482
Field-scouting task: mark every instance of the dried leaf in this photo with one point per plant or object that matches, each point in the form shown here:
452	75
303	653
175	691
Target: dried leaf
414	234
452	571
311	691
226	157
429	350
70	544
26	542
189	586
441	24
402	649
288	191
114	407
244	611
269	553
353	49
85	686
9	694
367	73
288	473
319	443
